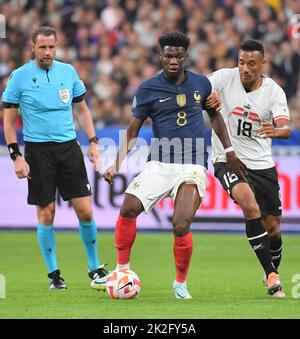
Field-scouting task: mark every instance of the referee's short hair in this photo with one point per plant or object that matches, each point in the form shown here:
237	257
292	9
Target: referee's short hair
43	30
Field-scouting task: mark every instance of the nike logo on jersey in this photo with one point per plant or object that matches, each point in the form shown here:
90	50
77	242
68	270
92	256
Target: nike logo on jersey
163	100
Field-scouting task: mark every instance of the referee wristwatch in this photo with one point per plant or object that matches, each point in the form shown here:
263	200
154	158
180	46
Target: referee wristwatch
94	139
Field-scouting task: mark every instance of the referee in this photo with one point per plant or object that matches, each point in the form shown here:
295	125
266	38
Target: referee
44	91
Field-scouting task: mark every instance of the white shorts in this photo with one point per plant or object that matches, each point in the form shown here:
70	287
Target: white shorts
159	180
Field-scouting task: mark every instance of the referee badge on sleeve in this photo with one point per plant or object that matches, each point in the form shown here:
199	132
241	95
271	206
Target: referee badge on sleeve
64	95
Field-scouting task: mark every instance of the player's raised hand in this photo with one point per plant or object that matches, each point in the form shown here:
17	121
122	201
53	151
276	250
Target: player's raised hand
213	101
267	130
109	174
22	168
94	155
235	165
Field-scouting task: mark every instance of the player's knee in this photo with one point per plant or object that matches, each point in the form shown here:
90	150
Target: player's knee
85	214
273	229
46	215
128	212
250	208
181	228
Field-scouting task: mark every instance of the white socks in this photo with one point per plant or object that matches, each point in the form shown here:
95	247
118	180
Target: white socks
122	266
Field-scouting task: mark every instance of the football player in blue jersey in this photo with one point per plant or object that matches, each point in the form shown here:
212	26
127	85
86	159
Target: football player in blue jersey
44	90
177	163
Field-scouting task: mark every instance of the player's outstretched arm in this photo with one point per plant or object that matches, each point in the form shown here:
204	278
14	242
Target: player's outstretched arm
21	166
281	130
127	143
234	164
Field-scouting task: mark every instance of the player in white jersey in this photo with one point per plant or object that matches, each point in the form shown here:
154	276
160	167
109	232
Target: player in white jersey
255	110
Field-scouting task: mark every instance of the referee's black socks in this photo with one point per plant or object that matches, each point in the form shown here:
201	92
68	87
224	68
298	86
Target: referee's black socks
260	242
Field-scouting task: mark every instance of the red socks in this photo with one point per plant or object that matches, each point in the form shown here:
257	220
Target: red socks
124	238
183	249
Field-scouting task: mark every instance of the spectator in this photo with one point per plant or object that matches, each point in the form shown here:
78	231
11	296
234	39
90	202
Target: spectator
112	43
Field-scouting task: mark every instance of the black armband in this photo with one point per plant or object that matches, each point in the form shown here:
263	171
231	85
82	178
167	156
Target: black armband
78	99
9	105
14	151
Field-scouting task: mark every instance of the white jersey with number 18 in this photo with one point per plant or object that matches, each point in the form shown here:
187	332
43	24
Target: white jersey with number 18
243	113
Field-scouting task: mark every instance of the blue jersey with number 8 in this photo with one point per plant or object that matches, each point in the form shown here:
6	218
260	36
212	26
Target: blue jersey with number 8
176	113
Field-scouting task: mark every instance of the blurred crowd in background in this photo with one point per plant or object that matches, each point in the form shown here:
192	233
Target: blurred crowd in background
113	43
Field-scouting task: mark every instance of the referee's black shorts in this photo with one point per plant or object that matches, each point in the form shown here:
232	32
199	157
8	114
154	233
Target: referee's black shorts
55	165
264	184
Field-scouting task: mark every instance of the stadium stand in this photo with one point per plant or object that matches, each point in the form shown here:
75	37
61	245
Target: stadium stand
111	43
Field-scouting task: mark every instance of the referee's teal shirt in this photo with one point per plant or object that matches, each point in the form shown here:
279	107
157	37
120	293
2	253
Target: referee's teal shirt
45	100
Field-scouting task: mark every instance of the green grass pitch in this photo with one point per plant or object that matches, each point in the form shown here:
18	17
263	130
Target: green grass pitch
224	279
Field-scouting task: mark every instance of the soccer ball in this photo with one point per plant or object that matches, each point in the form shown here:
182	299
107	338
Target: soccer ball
123	284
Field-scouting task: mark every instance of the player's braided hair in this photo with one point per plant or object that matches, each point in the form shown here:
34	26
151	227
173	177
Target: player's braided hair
251	46
174	39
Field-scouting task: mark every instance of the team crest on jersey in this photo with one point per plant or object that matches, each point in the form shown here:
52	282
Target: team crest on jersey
181	99
197	97
246	110
64	95
245	114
